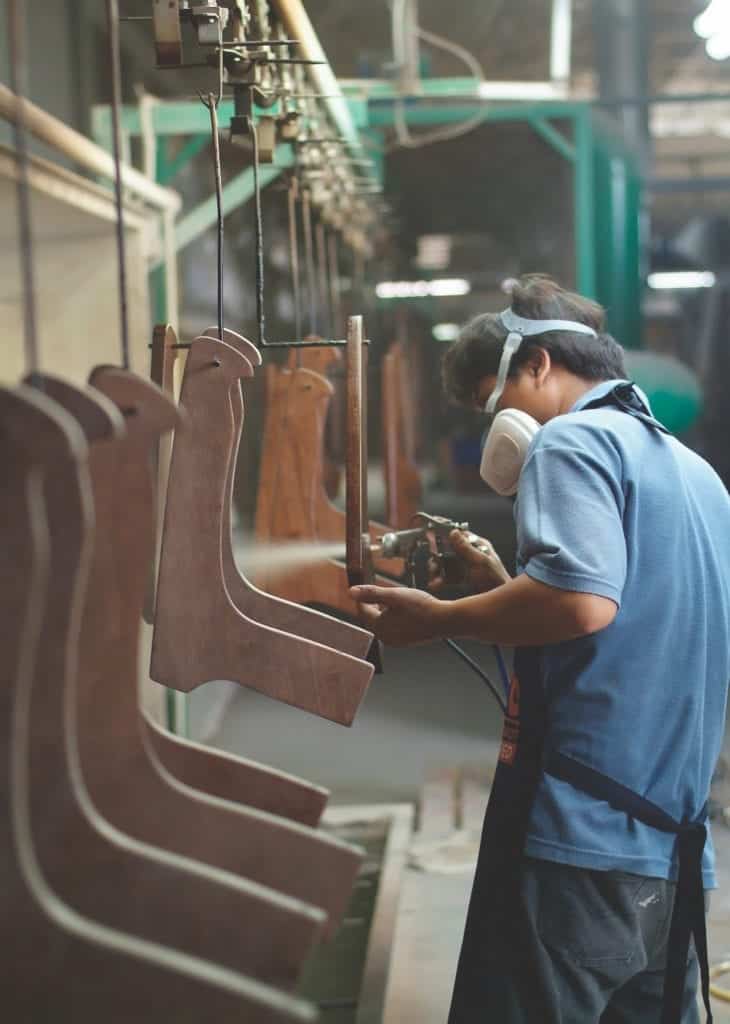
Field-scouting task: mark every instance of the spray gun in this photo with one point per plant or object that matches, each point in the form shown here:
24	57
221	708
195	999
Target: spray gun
426	550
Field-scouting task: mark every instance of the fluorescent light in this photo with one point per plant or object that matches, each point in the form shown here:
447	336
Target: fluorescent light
714	19
521	90
718	46
682	279
713	25
449	286
445	332
440	286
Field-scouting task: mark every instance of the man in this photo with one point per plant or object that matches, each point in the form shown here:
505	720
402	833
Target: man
620	616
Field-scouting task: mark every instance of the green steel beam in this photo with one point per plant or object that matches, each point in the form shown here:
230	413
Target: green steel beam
426	112
584	206
236	192
169	117
189	117
553	137
451	87
167	168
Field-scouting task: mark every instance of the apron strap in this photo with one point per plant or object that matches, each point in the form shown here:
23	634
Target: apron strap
688	915
625	396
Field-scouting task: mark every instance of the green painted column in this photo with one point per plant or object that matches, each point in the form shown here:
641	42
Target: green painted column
584	205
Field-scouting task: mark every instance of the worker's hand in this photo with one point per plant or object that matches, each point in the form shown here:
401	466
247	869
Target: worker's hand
399	616
482	565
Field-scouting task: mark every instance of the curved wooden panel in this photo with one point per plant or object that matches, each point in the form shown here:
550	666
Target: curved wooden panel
237	779
402	479
266	608
199	633
292	503
126	780
132	887
57	964
223	775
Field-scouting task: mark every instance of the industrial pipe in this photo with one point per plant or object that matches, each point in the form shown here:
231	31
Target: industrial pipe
298	26
83	151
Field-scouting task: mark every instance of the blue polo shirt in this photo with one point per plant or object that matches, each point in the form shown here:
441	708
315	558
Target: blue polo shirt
608	506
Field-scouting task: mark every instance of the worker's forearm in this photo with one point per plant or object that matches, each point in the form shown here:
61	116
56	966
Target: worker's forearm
525	613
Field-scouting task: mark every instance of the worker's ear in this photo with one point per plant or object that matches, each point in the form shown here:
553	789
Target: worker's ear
539	365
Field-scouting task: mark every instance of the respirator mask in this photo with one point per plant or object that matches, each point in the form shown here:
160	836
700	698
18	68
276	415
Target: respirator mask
511	431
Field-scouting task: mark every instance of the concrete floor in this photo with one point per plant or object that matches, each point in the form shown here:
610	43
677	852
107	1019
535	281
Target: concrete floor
428	711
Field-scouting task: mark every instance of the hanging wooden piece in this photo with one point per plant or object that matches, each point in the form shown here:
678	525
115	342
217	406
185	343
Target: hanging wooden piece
402	478
327	360
126	780
199	634
58	964
130	887
274	611
237	779
214	772
292	503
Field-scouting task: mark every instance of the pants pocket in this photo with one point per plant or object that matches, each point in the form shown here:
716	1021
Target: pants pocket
589	916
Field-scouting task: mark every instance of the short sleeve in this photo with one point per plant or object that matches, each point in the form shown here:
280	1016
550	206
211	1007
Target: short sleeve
570	509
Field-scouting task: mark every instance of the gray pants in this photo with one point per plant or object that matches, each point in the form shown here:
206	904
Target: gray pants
594	952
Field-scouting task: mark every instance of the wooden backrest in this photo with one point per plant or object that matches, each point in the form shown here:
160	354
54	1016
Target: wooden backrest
224	643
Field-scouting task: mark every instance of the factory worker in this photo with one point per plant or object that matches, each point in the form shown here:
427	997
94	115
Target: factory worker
588	902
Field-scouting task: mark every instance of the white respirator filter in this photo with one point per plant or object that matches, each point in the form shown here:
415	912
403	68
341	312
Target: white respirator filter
505	450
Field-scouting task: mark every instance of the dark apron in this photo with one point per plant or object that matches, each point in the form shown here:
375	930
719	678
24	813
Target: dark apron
492	951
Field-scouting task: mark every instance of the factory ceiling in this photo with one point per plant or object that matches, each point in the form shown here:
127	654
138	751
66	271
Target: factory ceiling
493	181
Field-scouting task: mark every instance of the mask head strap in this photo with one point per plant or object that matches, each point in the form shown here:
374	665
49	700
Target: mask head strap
520	327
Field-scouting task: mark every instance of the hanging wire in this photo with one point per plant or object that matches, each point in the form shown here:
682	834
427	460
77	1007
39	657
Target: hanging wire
112	11
479	671
334	279
260	318
321	267
19	86
211	103
309	258
294	256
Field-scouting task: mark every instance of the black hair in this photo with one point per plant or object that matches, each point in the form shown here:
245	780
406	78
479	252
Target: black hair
478	349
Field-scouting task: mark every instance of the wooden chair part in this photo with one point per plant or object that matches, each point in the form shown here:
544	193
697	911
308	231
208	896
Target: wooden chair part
257	604
402	479
56	964
237	779
327	361
292	503
126	780
199	633
224	775
94	868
